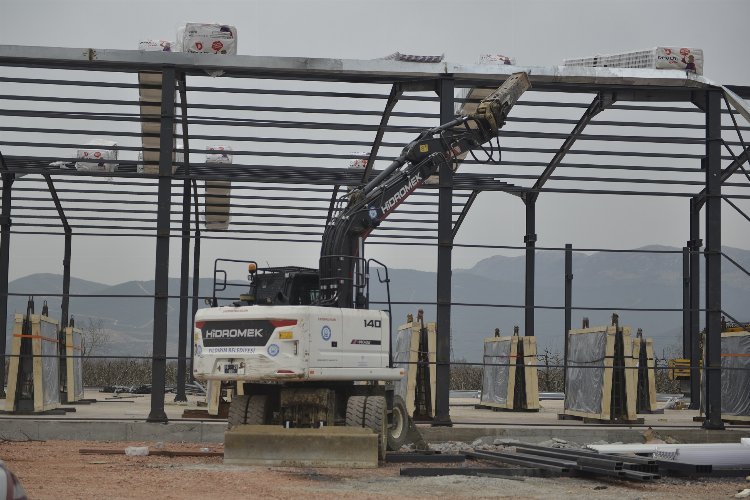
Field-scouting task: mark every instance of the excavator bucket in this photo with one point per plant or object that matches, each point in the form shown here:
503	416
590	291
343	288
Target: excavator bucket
331	446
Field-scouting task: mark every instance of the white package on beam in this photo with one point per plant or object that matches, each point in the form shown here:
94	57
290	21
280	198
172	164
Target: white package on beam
156	46
99	156
207	38
681	58
218	192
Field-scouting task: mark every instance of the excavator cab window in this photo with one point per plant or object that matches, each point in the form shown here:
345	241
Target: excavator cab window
304	289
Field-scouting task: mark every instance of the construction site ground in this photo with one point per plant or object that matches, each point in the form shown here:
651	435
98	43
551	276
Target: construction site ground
56	469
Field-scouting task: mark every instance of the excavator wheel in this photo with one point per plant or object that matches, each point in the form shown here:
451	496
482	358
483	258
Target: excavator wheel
355	411
376	419
400	427
369	412
257	410
237	411
248	410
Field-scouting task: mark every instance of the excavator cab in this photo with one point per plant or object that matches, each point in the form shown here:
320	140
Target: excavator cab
288	285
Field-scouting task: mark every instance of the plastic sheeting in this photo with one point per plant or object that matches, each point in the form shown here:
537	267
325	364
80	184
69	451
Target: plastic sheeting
495	373
401	355
50	364
735	375
583	383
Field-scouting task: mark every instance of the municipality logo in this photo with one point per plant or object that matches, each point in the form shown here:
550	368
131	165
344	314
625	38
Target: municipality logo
325	332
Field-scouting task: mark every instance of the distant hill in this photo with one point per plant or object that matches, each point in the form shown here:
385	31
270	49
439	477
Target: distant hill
611	280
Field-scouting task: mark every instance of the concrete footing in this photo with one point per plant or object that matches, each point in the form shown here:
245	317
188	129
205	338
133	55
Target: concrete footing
269	445
25	428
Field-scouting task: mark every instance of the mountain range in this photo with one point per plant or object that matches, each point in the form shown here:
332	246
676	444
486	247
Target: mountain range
614	281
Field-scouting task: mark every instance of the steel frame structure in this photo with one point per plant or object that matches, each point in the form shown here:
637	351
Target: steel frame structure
613	89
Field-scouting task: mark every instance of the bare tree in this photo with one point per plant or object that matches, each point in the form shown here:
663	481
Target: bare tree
94	336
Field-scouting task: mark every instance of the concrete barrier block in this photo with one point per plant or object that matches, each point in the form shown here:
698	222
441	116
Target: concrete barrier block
350	447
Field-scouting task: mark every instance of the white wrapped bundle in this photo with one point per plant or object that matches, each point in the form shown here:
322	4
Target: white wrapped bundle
218	192
206	38
156	46
100	157
496	59
681	58
359	160
219	154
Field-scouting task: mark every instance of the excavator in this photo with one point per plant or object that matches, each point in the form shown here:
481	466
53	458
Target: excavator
303	344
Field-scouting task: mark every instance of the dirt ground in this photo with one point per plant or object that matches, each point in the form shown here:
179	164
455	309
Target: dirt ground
56	469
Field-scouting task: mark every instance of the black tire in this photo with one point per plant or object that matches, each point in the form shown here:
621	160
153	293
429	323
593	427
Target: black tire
257	410
355	411
237	411
400	428
376	419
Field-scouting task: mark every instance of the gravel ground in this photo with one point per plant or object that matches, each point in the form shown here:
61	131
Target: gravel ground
55	469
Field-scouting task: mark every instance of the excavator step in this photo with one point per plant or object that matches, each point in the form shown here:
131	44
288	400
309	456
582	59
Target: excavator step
272	445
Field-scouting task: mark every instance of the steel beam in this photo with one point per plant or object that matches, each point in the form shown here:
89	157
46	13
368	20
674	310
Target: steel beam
694	244
712	165
725	174
161	272
185	251
568	304
530	241
464	212
444	268
601	102
393	98
65	306
5	223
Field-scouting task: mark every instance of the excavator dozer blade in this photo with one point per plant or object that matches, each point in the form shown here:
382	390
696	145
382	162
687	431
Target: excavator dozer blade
271	445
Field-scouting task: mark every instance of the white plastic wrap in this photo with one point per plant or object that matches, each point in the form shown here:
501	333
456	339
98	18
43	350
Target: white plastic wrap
208	38
585	375
100	157
401	357
155	46
495	371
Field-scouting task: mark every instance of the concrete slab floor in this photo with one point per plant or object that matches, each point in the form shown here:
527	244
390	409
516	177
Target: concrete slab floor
123	418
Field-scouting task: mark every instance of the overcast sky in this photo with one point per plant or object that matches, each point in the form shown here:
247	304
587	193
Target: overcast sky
534	32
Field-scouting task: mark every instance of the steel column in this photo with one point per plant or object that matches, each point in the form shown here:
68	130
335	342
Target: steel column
686	303
5	223
695	245
444	267
568	303
161	272
196	275
712	343
530	241
185	253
